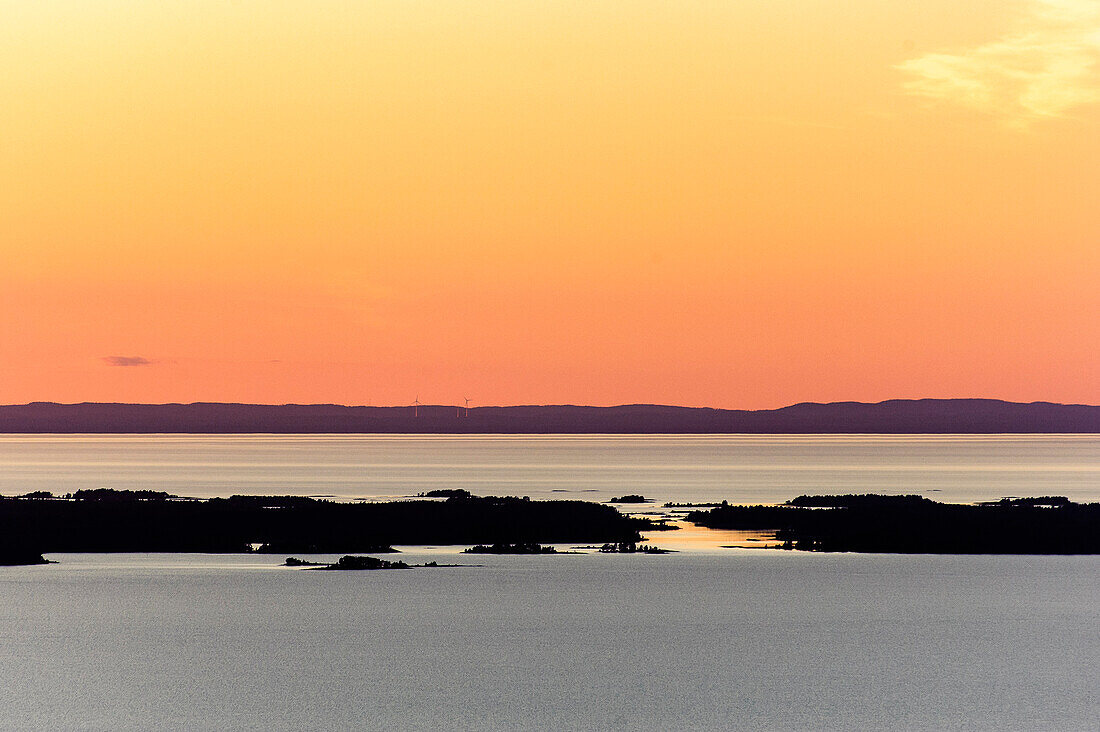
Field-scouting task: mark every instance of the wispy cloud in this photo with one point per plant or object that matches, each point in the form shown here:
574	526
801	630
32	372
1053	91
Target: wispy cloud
127	361
1048	68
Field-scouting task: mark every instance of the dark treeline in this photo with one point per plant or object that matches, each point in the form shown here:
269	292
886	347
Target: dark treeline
912	524
122	521
523	547
631	547
360	563
347	562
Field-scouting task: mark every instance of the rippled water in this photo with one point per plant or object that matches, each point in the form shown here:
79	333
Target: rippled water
744	640
740	468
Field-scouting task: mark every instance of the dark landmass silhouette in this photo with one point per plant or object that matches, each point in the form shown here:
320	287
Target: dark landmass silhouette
692	505
897	416
348	562
358	563
446	493
296	562
149	521
295	545
13	555
104	520
632	498
917	525
516	548
632	547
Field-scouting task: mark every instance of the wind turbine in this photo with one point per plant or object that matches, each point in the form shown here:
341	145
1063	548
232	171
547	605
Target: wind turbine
416	406
467	406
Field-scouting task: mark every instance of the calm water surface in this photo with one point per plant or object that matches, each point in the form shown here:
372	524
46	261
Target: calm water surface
706	639
745	640
753	468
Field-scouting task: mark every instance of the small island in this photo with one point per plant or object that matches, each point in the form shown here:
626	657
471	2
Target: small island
446	493
695	505
361	563
355	563
296	562
631	547
631	498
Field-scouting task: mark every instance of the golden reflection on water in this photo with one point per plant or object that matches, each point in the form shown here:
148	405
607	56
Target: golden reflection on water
691	538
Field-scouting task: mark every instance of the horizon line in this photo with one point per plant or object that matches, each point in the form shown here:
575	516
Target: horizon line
544	406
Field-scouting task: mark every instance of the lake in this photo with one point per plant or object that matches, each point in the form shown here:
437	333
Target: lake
704	639
738	468
742	640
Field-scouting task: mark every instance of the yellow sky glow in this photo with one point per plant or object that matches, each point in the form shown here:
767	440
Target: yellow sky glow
728	204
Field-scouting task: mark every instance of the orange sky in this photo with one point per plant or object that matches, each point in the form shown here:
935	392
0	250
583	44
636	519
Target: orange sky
727	204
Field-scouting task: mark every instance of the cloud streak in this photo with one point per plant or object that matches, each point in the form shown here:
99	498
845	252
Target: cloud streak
127	361
1044	71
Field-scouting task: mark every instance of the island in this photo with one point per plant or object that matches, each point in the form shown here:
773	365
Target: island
296	562
632	498
692	505
359	563
632	547
151	521
913	524
446	493
355	563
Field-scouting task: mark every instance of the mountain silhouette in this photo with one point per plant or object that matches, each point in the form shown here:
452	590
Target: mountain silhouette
896	416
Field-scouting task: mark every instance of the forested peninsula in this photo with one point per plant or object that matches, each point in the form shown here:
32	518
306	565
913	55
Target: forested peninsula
148	521
913	524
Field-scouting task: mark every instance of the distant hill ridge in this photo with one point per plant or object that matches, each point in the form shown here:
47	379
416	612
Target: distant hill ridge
896	416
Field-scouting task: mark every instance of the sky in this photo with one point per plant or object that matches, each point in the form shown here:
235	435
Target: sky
730	204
